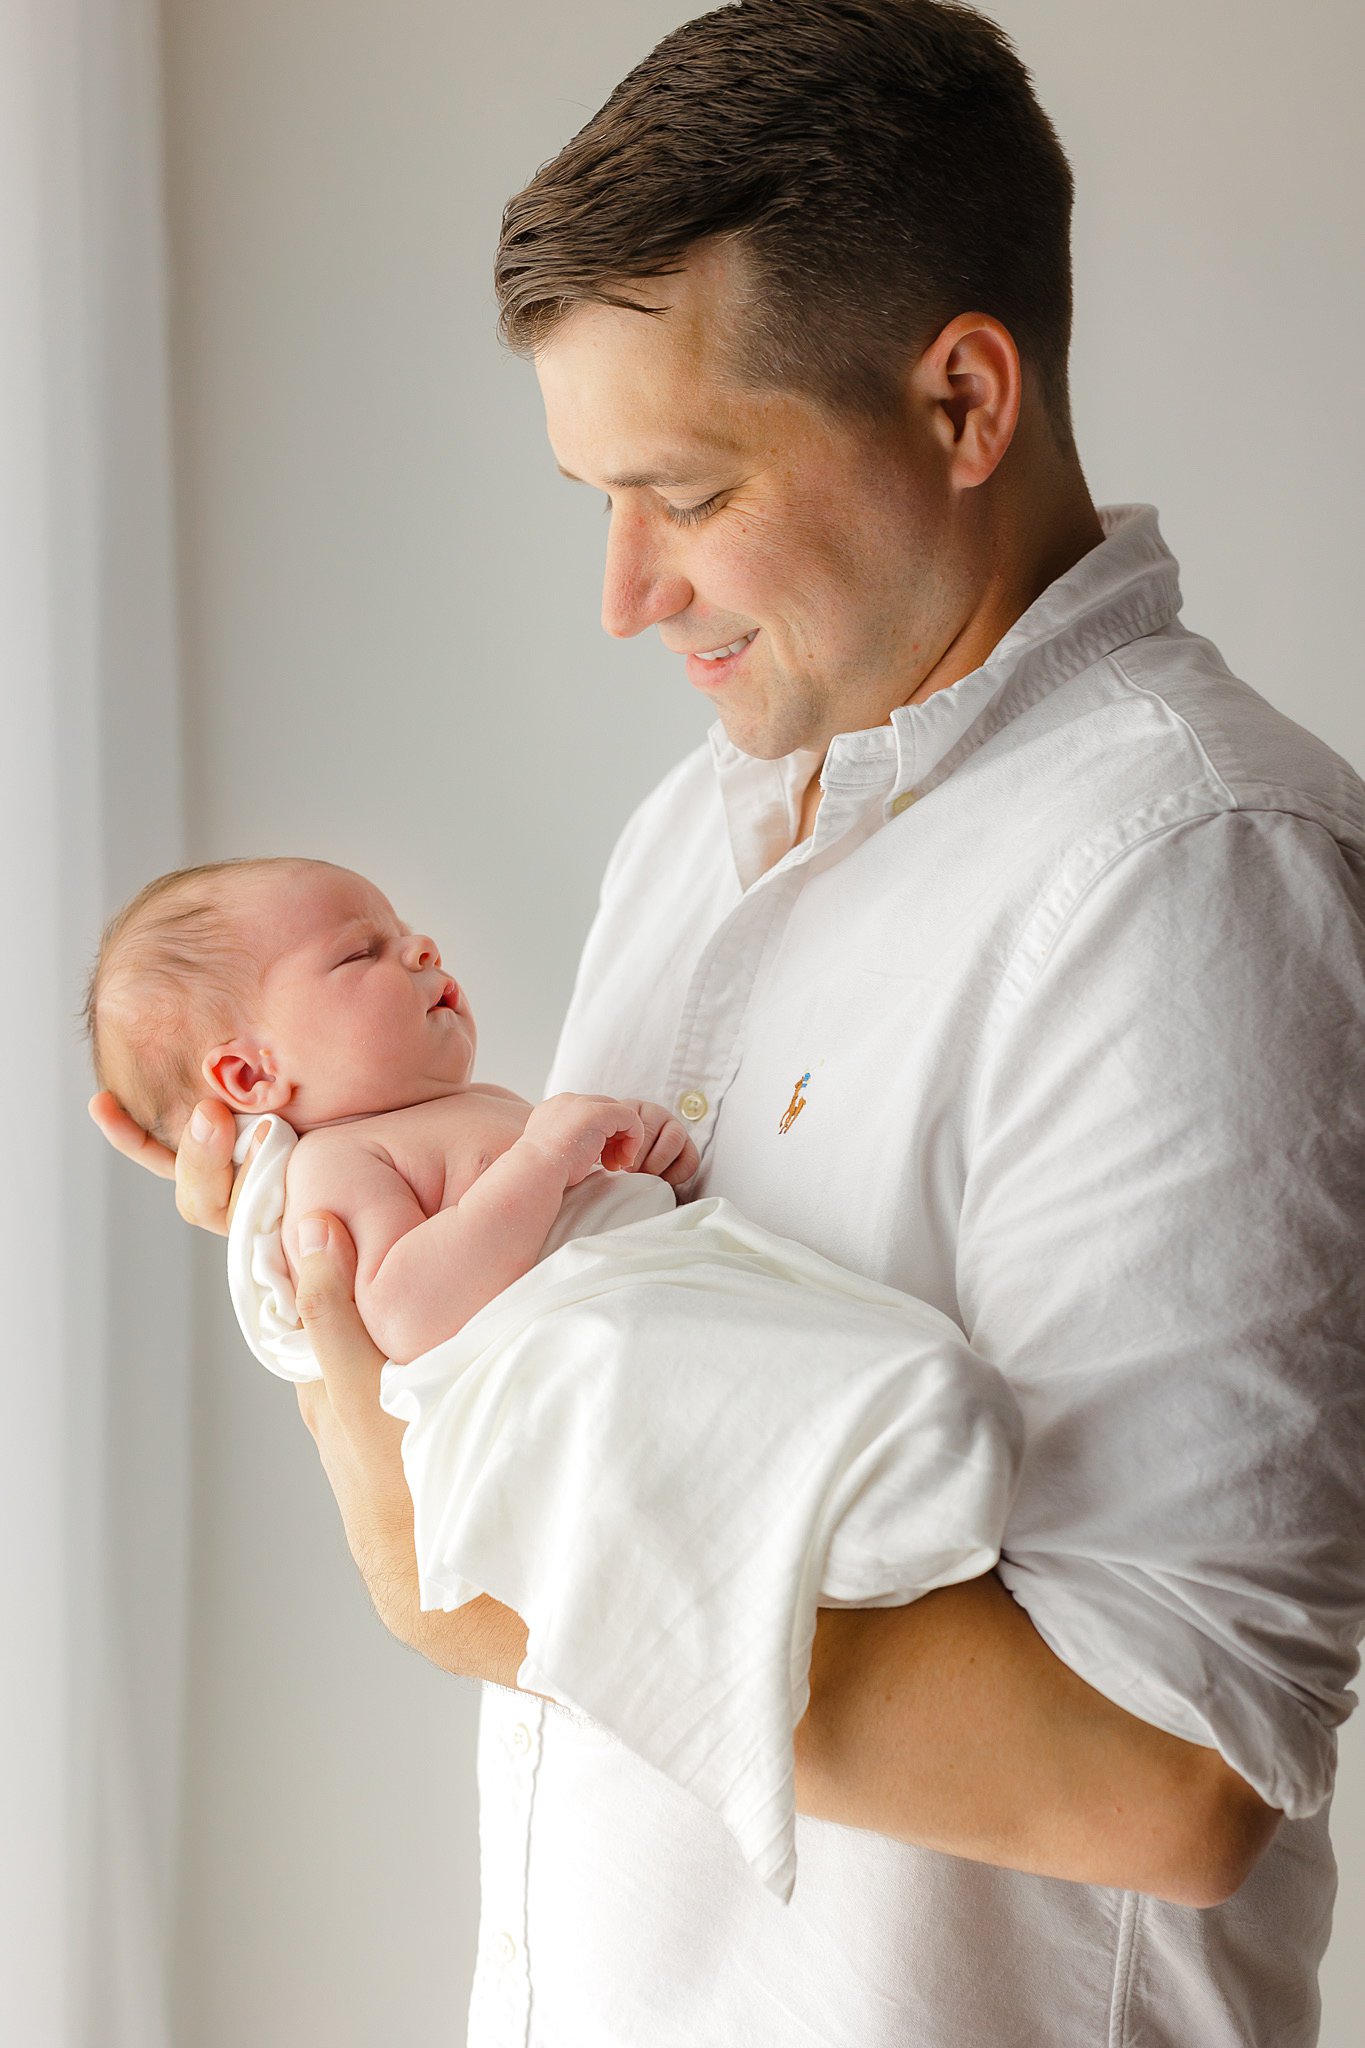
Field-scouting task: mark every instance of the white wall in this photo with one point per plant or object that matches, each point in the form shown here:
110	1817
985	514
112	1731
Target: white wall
93	1466
392	659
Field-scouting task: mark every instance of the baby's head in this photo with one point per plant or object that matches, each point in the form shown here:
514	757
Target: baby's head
286	985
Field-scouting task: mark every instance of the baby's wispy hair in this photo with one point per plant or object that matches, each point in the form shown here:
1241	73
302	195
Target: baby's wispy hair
174	973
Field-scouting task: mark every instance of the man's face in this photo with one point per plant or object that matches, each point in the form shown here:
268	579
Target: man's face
800	562
357	1011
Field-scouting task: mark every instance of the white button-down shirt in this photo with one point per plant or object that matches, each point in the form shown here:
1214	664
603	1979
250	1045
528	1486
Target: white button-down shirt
1053	1023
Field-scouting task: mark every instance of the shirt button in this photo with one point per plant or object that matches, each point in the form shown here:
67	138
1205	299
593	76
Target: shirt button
521	1738
507	1948
903	801
693	1105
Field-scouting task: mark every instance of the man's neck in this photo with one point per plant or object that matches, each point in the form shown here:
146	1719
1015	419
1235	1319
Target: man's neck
1003	599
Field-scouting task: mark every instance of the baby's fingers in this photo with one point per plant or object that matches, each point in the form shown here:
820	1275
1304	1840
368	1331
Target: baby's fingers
625	1144
672	1156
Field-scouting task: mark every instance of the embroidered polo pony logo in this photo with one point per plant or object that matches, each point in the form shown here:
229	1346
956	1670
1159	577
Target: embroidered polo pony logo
795	1106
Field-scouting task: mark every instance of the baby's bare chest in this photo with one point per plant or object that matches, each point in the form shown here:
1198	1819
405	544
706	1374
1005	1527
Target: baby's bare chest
441	1148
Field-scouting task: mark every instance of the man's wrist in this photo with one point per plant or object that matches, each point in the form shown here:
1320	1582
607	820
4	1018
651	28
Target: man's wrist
482	1640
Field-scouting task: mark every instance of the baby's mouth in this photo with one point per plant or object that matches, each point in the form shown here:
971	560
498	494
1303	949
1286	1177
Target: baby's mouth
448	999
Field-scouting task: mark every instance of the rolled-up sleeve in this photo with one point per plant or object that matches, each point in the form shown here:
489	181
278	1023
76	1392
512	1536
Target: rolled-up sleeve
1161	1248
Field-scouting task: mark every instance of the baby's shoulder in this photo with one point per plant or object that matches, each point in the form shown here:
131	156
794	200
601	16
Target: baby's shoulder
433	1146
335	1155
441	1147
335	1141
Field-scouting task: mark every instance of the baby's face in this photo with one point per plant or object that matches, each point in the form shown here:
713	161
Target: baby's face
358	1014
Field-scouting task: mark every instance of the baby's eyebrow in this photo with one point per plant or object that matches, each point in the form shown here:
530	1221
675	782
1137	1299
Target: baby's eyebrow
364	925
342	934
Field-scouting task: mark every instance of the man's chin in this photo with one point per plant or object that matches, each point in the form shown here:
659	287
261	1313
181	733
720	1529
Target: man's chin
761	741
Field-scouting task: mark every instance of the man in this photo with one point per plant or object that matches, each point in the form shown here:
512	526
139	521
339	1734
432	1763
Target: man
1002	947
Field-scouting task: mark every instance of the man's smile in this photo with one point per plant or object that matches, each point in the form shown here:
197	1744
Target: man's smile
707	667
720	653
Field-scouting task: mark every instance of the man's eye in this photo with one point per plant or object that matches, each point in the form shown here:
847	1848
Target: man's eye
692	515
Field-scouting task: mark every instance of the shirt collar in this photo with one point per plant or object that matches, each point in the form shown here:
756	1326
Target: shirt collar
1124	588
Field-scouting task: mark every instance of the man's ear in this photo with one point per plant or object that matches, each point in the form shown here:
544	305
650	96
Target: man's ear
970	376
243	1075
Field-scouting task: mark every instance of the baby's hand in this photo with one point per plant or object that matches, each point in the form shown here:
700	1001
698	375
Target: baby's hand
667	1150
578	1132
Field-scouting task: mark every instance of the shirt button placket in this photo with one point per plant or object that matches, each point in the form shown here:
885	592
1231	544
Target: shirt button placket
509	1755
717	997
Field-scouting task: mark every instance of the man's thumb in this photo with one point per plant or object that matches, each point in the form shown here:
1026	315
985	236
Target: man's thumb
325	1282
325	1296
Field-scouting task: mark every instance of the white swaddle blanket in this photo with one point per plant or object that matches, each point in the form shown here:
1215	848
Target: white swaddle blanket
560	1455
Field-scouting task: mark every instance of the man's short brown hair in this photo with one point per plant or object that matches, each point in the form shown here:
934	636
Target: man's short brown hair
881	165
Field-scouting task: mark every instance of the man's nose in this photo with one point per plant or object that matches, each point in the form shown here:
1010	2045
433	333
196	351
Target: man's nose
419	951
641	586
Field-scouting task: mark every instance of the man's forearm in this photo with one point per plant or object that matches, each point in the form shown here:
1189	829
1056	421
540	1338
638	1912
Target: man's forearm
949	1724
483	1639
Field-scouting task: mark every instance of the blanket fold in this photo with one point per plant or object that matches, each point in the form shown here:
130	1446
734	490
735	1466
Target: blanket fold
664	1448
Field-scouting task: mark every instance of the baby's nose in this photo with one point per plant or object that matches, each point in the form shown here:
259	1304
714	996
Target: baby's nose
422	951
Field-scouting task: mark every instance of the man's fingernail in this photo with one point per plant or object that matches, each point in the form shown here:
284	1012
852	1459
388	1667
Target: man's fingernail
312	1236
201	1130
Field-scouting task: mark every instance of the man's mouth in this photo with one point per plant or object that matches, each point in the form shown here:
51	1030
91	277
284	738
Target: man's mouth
712	665
724	653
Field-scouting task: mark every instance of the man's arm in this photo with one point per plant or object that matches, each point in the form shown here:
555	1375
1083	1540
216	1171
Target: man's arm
952	1725
359	1446
948	1723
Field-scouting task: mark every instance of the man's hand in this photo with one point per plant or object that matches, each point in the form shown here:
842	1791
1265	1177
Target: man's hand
202	1169
360	1450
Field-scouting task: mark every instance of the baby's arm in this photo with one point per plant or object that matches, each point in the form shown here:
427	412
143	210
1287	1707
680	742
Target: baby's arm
420	1278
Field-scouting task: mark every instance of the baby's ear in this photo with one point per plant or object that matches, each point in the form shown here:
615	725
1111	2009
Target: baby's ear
243	1076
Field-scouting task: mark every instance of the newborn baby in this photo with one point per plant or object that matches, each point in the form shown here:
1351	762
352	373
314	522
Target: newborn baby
663	1446
290	986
